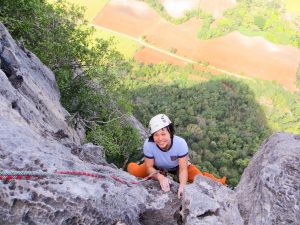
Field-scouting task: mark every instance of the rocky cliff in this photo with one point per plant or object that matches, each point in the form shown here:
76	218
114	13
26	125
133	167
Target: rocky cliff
35	137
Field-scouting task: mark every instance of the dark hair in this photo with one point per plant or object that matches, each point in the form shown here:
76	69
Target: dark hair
170	129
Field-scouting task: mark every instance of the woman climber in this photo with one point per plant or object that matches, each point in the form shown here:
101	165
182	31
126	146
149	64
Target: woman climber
166	152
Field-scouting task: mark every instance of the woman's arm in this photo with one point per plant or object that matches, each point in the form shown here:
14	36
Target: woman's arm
150	167
183	174
163	181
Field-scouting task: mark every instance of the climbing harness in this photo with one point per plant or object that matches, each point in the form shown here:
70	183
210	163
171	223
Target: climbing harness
31	175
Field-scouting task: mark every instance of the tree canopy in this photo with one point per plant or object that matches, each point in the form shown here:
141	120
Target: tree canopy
220	119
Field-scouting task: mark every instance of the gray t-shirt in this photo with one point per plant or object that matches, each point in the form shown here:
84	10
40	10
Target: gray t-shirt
166	159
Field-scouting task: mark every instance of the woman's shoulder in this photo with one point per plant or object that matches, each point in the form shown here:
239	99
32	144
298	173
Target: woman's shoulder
180	144
148	143
178	139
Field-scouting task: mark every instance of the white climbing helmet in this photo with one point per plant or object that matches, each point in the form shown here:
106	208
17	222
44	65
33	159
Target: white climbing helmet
157	122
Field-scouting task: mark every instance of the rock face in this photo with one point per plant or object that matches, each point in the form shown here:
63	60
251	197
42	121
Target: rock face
208	202
137	124
269	190
35	137
29	88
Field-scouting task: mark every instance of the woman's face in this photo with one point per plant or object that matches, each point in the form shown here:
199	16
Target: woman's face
162	138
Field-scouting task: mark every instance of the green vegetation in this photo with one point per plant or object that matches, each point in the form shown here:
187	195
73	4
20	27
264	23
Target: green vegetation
204	32
116	136
88	72
280	106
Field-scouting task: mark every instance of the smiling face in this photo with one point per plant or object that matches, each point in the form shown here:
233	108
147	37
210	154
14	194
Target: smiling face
162	138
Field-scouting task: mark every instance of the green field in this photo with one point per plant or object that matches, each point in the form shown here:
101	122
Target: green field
124	45
92	7
293	6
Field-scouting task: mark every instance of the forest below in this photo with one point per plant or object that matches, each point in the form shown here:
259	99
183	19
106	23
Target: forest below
223	119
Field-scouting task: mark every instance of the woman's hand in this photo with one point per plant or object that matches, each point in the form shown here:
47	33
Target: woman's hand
180	191
164	182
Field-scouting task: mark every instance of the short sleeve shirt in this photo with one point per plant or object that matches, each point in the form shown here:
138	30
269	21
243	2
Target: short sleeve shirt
166	159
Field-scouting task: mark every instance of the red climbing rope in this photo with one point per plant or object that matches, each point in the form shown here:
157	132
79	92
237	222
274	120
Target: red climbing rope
21	175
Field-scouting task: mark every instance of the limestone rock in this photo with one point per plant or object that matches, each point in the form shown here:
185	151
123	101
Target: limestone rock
269	190
209	203
29	88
